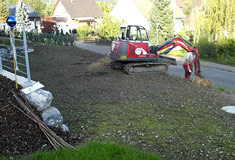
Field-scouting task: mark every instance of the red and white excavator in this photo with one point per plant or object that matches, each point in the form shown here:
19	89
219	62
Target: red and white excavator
131	51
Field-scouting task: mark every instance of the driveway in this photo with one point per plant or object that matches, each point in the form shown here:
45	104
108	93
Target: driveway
219	75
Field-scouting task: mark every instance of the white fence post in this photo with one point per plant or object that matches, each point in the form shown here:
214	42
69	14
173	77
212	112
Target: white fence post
0	63
26	54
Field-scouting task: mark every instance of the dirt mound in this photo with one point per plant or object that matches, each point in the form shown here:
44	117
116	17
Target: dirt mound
19	134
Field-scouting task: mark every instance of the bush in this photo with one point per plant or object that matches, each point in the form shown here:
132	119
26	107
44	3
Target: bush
206	49
226	48
74	31
83	30
48	25
3	34
109	28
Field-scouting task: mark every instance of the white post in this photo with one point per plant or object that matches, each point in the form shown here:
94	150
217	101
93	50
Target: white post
26	54
157	24
0	63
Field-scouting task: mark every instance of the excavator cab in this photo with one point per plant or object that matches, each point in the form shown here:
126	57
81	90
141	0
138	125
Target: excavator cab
133	33
131	44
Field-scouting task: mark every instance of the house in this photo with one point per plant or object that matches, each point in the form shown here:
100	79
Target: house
34	19
137	12
128	11
69	14
178	14
193	14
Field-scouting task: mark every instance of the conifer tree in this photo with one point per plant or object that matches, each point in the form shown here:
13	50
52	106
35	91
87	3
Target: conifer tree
22	16
161	13
4	13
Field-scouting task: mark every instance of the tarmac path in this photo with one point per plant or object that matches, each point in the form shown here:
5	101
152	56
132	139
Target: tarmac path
219	75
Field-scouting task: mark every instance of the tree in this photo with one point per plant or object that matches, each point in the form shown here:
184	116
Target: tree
105	7
22	16
4	13
188	8
161	13
11	1
215	27
38	5
216	20
49	9
48	25
109	28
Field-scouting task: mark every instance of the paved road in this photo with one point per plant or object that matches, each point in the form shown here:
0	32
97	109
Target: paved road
219	75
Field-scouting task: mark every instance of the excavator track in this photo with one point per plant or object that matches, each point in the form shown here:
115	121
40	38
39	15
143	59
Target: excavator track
144	67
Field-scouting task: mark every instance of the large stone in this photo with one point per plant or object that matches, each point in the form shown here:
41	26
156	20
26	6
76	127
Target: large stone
65	128
52	117
40	99
4	53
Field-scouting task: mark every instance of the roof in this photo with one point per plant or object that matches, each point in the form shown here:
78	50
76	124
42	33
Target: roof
179	9
195	10
81	8
12	10
180	3
128	11
144	6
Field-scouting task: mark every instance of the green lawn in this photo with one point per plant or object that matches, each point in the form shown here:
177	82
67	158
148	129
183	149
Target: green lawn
178	53
96	151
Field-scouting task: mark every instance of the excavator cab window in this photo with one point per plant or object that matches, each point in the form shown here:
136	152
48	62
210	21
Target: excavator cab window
136	33
144	34
133	33
122	35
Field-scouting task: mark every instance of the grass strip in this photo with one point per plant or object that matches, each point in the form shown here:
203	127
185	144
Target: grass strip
97	151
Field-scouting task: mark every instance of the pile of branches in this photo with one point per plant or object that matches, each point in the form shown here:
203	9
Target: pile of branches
22	131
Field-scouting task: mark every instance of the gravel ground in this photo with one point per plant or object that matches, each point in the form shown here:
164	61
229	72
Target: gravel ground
158	113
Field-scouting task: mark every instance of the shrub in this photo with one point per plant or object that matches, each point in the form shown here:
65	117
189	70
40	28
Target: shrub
83	30
48	25
226	48
3	34
74	31
206	49
109	28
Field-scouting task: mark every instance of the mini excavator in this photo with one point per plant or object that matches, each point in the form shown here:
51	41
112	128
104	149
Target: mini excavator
131	52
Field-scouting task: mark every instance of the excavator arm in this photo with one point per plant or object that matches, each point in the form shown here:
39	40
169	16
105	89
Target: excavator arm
170	44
